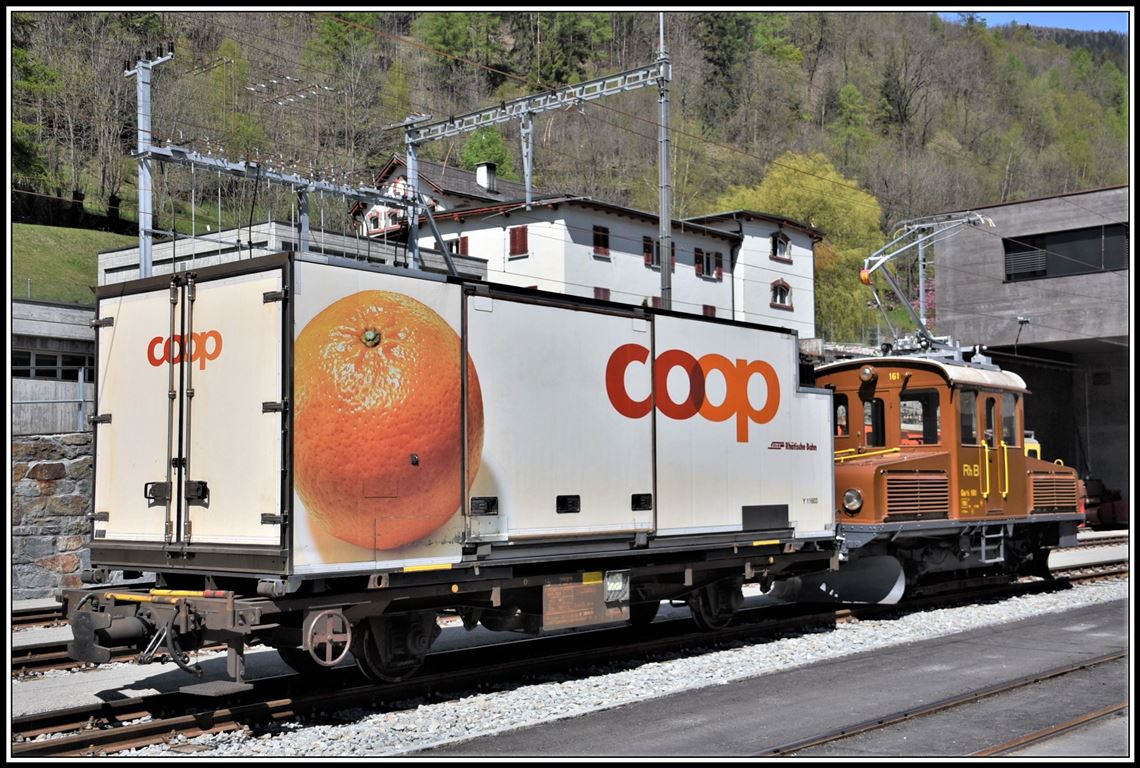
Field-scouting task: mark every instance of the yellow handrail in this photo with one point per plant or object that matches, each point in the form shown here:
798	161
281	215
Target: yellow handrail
1005	466
985	450
868	453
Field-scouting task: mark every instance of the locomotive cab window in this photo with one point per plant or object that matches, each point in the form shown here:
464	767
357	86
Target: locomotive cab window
991	416
874	423
842	428
1010	429
919	418
968	416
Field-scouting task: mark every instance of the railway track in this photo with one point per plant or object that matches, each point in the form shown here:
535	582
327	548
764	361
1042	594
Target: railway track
882	722
40	657
112	727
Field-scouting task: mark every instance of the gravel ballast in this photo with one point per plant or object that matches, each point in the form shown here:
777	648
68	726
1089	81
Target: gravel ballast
482	714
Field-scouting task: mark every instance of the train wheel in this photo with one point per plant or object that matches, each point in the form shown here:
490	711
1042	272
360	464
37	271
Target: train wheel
714	606
642	614
388	649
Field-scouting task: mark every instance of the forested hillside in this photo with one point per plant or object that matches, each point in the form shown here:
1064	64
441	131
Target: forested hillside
900	114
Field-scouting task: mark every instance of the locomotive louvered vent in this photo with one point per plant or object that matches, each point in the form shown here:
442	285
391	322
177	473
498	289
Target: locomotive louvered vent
1054	492
917	496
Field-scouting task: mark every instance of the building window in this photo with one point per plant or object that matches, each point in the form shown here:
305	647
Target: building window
781	248
601	241
709	310
52	365
1071	252
708	263
457	246
602	293
781	295
650	252
518	242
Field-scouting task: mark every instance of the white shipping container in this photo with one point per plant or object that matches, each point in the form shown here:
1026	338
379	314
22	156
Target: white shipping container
343	419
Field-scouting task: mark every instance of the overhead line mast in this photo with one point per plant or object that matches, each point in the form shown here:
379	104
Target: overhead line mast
416	132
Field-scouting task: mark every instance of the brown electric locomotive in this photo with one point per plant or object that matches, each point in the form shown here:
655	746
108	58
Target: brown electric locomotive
931	470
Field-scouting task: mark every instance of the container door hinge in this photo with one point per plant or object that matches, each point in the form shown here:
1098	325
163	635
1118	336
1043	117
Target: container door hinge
156	494
271	407
197	492
268	519
271	296
102	322
102	418
103	516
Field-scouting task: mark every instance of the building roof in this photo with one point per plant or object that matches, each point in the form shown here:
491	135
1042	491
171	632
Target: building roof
782	221
449	180
552	202
1011	203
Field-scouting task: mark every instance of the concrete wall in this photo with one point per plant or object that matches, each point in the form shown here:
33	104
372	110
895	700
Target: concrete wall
51	498
33	413
976	306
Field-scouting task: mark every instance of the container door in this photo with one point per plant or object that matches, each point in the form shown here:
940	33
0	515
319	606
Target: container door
232	420
136	425
567	438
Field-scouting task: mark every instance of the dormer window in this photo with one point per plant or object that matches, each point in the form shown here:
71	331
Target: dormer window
781	248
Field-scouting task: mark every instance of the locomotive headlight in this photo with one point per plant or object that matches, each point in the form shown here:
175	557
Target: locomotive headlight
852	500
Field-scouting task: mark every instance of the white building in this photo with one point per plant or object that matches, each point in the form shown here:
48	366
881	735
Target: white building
743	265
760	270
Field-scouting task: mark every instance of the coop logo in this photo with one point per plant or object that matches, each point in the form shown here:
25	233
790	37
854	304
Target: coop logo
737	375
203	346
780	445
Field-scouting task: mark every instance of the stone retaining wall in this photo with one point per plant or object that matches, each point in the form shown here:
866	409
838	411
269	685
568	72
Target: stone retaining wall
52	479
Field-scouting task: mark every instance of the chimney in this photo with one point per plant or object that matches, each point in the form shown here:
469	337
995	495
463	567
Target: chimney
485	176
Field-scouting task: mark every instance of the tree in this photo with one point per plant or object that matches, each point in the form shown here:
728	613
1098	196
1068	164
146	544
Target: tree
486	145
808	189
32	83
725	40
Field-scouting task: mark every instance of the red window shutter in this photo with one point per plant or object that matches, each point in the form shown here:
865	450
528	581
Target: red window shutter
518	241
699	261
709	310
463	246
602	293
647	250
719	266
657	302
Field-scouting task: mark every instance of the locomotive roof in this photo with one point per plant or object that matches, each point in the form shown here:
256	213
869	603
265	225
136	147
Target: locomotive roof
957	374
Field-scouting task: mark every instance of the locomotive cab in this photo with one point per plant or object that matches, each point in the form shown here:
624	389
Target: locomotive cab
931	468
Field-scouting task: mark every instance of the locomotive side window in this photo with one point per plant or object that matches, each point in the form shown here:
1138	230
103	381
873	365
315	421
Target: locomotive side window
1010	431
968	416
874	423
840	404
919	417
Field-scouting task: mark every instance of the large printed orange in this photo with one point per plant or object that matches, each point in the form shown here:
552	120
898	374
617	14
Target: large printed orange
378	441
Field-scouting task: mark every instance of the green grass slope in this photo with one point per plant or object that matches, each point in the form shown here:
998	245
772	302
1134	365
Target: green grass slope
61	262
